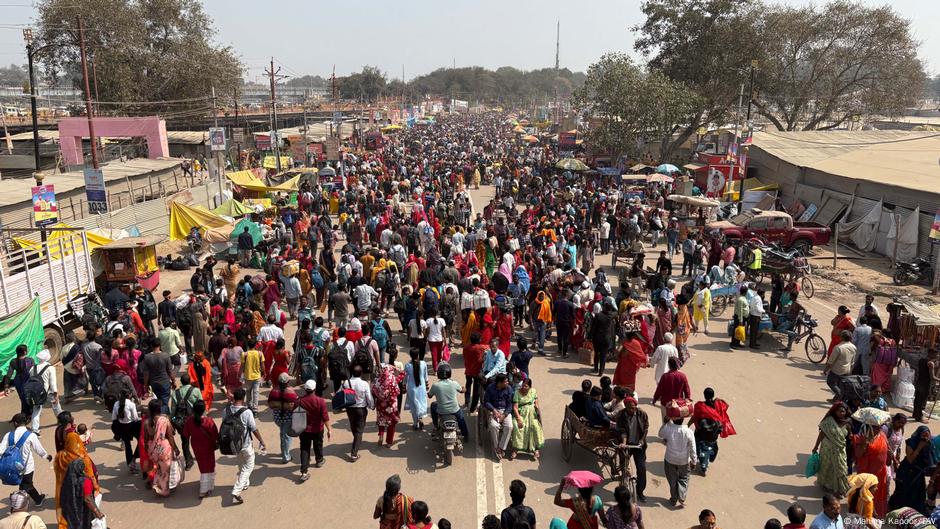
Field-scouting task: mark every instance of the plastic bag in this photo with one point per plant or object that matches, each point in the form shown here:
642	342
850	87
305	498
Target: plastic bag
812	466
739	333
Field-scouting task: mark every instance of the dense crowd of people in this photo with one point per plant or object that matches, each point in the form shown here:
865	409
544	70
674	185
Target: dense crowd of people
394	255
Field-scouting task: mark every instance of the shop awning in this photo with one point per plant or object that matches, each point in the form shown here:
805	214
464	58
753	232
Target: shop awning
638	167
247	180
694	166
184	218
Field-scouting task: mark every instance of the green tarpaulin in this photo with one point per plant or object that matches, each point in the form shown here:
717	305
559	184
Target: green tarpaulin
232	208
23	327
253	229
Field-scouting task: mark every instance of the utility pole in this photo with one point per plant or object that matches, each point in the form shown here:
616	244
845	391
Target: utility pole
305	127
88	108
218	154
751	90
28	36
555	84
333	100
403	93
238	146
274	139
734	139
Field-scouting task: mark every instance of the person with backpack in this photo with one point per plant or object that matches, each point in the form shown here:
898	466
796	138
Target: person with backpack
41	387
381	333
17	374
282	400
181	408
238	426
367	352
16	458
158	372
710	420
339	358
125	425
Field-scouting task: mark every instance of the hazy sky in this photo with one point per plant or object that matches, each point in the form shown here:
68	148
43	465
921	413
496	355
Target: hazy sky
422	35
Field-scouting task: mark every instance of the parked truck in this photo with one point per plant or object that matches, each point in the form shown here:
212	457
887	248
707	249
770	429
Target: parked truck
774	227
58	271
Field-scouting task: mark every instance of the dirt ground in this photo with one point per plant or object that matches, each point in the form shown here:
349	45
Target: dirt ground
776	403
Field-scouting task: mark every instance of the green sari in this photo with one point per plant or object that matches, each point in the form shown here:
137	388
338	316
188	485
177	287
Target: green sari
833	466
529	437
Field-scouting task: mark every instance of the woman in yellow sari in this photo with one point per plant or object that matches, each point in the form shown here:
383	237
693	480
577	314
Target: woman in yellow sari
701	307
334	204
74	449
861	499
681	331
469	327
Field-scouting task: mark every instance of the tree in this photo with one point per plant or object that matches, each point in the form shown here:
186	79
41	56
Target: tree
707	45
143	50
13	75
634	106
366	85
823	66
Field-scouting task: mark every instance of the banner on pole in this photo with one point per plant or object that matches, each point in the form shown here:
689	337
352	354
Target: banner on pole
95	191
45	209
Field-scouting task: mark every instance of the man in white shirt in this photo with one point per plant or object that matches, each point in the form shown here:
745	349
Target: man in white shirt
755	304
46	372
680	458
358	412
30	444
605	237
270	332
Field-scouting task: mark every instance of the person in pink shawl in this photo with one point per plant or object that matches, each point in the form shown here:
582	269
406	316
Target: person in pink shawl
272	294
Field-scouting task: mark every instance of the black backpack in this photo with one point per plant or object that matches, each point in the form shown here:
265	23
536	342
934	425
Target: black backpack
34	390
337	361
363	358
232	433
183	408
708	430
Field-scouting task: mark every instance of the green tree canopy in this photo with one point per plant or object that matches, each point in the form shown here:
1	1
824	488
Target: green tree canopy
366	85
633	106
144	50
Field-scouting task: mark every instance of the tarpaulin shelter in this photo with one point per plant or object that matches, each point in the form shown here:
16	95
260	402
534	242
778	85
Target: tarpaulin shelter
270	162
184	218
247	180
253	229
23	327
232	208
56	251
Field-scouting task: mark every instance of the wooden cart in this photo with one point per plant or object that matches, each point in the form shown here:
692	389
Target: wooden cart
600	442
132	259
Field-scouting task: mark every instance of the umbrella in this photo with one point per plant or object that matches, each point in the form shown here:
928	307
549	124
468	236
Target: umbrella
571	164
327	171
872	416
530	138
657	178
582	478
667	168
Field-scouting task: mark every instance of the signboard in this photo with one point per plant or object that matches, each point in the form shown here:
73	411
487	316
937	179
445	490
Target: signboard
263	142
935	229
717	177
316	149
45	209
567	139
95	191
331	145
297	147
238	136
270	162
216	139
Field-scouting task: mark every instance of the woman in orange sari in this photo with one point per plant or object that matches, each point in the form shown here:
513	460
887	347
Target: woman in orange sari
470	326
632	358
871	457
681	331
842	322
74	449
200	372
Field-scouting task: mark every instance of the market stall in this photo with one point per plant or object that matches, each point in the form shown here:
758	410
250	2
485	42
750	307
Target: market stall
132	259
694	212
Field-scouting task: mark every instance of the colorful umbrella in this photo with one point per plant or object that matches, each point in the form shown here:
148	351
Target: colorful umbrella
530	138
667	168
571	164
582	478
657	178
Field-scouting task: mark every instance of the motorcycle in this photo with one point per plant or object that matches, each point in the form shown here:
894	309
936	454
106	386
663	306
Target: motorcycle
194	240
917	270
448	437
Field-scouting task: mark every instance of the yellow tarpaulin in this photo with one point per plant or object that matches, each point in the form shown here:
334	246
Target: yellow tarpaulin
270	163
263	202
55	250
146	259
249	181
184	218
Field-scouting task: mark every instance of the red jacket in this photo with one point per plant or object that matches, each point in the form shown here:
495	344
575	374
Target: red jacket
672	385
473	359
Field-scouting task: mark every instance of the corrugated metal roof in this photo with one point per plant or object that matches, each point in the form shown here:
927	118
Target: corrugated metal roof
16	190
897	158
44	135
186	137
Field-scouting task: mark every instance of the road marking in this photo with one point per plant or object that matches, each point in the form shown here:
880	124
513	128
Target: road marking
499	493
481	483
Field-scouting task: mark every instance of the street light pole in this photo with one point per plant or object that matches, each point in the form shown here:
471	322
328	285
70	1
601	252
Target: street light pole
28	36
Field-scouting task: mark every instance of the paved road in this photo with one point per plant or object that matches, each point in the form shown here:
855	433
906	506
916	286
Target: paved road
775	402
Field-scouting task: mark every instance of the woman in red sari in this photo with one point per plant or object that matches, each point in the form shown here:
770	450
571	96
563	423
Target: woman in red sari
200	372
632	357
871	457
842	322
281	359
504	332
487	330
272	294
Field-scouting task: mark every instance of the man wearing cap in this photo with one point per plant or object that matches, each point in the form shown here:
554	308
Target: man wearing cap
30	445
633	425
46	372
19	517
318	419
